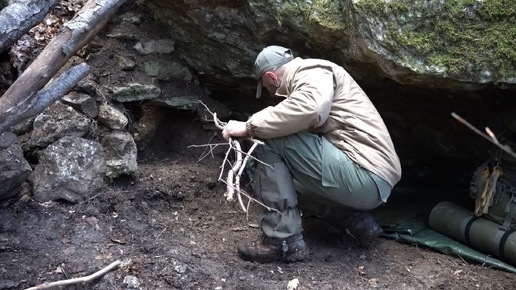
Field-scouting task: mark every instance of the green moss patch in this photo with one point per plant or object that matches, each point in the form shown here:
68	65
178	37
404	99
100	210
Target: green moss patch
464	38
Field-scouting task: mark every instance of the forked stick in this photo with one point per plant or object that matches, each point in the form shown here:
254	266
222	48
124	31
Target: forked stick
237	178
233	177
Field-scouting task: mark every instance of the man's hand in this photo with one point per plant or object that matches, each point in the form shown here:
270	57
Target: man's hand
234	129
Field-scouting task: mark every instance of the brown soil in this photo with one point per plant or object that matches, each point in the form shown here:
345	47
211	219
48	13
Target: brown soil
177	230
179	233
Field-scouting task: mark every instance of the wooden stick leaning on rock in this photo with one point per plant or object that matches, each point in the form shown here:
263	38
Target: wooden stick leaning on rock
19	17
491	137
73	36
52	92
85	279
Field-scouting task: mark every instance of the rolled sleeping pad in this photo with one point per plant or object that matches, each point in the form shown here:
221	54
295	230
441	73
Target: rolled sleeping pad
479	233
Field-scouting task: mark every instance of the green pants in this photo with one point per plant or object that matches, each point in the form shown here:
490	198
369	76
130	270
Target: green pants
308	167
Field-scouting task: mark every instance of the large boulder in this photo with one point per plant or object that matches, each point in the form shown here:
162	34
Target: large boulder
445	44
70	169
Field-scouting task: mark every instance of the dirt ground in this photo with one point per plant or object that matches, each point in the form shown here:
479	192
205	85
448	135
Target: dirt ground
176	230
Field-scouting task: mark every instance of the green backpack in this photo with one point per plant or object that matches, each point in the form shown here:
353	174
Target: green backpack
493	185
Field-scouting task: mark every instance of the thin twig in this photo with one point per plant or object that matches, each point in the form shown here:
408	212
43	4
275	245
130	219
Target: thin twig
158	236
85	279
255	200
209	151
490	137
225	159
207	145
228	143
218	123
463	259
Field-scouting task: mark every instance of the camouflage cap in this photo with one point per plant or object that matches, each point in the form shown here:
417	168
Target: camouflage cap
270	58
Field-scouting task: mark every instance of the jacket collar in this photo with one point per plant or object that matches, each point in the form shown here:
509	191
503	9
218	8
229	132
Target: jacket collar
287	75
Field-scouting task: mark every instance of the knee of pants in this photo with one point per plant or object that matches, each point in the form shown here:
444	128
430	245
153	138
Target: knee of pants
275	186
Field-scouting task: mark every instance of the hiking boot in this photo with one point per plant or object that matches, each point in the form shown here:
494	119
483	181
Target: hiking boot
361	225
267	250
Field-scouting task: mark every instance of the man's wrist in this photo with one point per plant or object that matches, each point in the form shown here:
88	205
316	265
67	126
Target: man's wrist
249	129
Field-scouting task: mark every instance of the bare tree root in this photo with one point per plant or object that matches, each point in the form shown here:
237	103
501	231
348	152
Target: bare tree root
234	174
230	191
242	192
85	279
239	173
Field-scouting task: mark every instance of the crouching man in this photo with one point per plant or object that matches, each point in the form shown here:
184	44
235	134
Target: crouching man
327	147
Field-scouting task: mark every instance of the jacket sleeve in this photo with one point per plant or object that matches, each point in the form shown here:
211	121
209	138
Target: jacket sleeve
308	105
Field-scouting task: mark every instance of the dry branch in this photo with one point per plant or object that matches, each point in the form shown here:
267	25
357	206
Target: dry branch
233	176
52	92
489	137
234	169
19	17
73	36
85	279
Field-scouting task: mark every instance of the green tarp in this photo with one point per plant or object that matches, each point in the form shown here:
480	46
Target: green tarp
405	219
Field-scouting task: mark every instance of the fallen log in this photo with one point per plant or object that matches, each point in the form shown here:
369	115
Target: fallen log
52	92
73	36
19	17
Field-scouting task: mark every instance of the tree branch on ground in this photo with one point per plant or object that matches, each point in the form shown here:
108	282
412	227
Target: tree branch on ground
52	92
19	17
85	279
74	35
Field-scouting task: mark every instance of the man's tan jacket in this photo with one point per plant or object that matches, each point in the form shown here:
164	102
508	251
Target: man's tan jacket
323	98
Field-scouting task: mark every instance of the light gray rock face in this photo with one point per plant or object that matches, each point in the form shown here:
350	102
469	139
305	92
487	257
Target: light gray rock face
121	153
14	169
83	102
112	117
125	64
135	92
167	71
445	44
70	169
57	121
155	46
